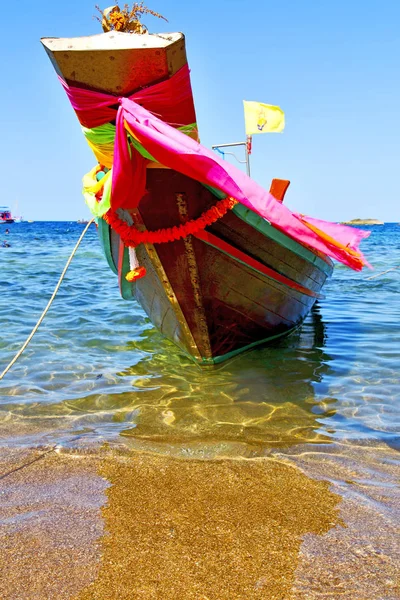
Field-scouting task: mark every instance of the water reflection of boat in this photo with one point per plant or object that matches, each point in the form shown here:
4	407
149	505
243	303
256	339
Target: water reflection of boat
225	279
271	397
267	398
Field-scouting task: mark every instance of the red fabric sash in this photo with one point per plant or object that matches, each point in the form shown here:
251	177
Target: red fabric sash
170	100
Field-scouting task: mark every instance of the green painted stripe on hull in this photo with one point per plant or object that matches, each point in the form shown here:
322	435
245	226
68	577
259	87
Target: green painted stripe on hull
265	227
104	236
219	359
125	287
268	230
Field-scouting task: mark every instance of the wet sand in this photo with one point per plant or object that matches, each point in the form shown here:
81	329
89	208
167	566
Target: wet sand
49	524
218	529
360	561
121	524
173	528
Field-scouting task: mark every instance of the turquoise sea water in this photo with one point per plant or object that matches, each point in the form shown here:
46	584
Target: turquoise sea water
97	369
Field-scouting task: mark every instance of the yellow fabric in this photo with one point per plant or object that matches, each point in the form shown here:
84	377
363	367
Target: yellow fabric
263	118
90	188
90	183
101	141
104	153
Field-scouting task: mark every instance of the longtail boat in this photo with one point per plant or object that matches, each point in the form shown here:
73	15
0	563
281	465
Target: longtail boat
218	264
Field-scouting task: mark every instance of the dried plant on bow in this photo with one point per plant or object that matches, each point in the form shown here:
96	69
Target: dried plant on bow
126	19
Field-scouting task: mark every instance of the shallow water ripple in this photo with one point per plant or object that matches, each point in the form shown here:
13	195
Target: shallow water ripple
97	363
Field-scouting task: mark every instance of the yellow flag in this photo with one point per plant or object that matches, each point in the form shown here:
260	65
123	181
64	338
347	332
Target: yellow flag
263	118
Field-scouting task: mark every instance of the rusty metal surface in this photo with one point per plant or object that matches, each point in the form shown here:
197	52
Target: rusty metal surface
113	69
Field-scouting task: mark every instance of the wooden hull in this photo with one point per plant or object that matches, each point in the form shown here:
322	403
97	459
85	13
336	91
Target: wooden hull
239	284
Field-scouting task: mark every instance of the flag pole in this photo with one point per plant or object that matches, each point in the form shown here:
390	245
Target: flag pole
247	149
248	152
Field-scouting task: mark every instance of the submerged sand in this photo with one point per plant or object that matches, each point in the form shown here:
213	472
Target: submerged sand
206	529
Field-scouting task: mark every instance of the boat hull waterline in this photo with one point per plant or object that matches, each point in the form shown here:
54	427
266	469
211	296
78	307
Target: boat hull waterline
220	292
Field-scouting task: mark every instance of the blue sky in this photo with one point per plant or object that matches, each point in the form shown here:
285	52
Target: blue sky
332	67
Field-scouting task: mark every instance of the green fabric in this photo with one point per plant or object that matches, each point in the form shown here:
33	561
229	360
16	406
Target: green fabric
138	146
105	134
98	209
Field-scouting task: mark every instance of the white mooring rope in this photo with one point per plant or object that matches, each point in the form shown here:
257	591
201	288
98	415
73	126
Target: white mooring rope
42	316
383	273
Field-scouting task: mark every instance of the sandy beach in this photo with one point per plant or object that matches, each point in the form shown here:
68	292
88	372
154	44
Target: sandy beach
168	528
119	524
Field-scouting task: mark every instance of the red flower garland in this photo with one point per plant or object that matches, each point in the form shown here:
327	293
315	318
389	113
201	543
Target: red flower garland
132	237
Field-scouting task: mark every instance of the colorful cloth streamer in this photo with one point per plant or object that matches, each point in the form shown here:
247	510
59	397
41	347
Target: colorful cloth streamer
97	194
170	100
179	152
173	149
101	140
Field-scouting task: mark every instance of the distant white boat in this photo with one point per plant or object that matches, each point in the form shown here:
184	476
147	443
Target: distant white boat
19	219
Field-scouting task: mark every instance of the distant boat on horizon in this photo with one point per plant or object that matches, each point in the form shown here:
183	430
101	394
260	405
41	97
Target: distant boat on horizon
20	218
5	215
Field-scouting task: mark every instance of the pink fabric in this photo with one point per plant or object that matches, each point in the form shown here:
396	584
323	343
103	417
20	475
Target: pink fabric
348	236
178	151
170	100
